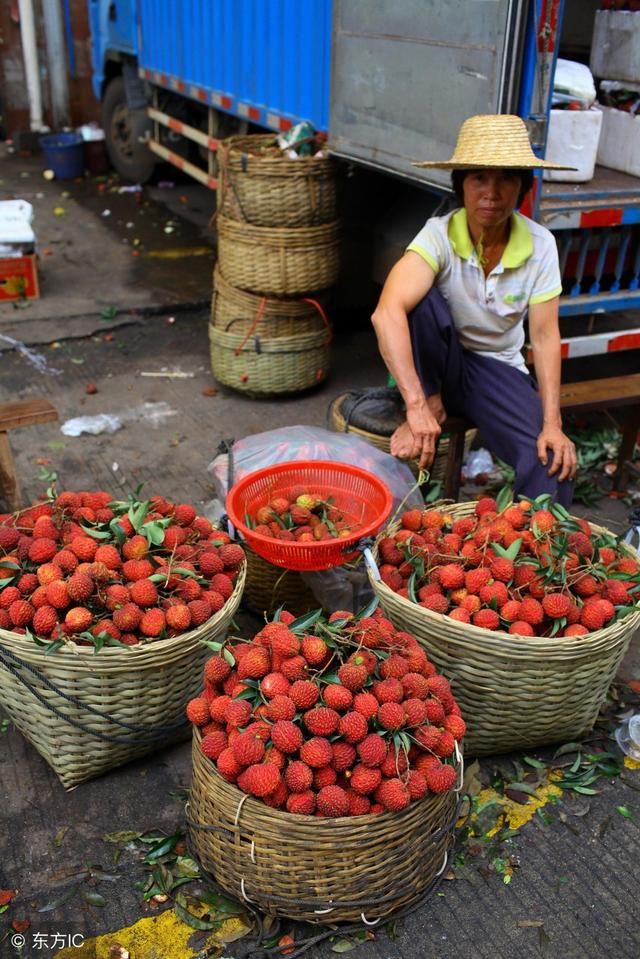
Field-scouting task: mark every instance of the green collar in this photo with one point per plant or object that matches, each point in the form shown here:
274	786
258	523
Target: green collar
519	247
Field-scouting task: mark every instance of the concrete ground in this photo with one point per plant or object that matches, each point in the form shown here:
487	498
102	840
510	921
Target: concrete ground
106	318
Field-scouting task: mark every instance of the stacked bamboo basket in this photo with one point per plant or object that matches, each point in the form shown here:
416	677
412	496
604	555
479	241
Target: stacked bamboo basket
277	254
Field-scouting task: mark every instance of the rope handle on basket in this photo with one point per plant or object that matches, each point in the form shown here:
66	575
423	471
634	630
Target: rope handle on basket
10	661
260	310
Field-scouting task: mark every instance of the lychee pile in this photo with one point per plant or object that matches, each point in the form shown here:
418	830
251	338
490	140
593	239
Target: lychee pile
338	717
83	566
528	569
303	516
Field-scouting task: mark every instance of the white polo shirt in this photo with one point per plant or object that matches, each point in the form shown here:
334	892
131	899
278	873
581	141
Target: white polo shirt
489	311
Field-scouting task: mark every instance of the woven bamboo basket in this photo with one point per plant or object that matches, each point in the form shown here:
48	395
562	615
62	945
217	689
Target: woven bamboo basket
88	712
269	587
263	367
515	691
237	311
280	261
259	184
438	470
315	869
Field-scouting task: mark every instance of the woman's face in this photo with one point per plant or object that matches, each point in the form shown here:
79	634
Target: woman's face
490	196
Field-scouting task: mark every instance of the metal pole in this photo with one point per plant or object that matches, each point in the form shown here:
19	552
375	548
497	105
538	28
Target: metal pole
30	56
56	62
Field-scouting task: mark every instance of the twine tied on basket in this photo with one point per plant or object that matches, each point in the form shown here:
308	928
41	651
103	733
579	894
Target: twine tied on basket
258	317
149	735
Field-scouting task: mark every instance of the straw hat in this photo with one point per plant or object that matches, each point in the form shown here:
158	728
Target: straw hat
493	140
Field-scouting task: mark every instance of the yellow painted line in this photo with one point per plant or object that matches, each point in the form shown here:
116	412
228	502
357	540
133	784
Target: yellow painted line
179	253
154	937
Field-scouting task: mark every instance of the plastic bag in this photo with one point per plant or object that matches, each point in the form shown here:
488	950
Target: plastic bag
344	587
628	737
477	462
314	443
102	423
573	83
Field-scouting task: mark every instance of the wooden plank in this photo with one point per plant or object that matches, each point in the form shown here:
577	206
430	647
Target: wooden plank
26	413
601	393
9	484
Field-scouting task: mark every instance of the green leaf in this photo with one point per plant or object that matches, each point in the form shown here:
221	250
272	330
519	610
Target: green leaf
164	847
625	811
584	790
154	533
344	945
534	762
411	587
302	623
567	748
137	513
117	531
503	499
95	533
576	765
514	548
369	609
228	655
93	898
7	564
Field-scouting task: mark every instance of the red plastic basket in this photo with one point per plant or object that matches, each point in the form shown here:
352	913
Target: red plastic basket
354	491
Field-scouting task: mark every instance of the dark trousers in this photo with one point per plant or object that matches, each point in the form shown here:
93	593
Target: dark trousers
502	401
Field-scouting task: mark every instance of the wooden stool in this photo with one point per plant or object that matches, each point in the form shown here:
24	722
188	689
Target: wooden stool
13	416
456	427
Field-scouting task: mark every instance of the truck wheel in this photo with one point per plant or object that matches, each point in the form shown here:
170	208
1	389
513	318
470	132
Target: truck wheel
126	132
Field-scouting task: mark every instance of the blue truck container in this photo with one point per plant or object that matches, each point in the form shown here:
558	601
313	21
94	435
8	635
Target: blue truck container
388	83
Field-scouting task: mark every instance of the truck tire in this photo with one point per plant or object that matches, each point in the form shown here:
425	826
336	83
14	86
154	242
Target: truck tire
126	132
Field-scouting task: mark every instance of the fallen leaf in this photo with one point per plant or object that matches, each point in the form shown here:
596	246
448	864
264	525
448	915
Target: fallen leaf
530	923
59	836
210	391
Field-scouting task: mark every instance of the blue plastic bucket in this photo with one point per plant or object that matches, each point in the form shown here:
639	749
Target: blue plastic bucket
64	154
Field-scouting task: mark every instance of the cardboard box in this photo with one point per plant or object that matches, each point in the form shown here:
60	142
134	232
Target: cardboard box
19	278
619	147
573	139
615	47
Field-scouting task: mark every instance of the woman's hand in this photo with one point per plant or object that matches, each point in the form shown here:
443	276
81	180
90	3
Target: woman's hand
564	460
417	438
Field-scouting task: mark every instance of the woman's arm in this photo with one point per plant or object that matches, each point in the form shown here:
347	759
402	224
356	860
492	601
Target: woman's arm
545	341
408	282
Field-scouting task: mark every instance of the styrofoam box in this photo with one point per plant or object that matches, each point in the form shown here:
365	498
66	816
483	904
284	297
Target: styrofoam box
573	139
619	147
615	47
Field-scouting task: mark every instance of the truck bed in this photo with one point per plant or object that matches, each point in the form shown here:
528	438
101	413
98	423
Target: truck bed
608	189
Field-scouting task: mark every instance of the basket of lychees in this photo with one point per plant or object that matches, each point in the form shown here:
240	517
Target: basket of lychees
308	515
104	609
326	768
525	608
